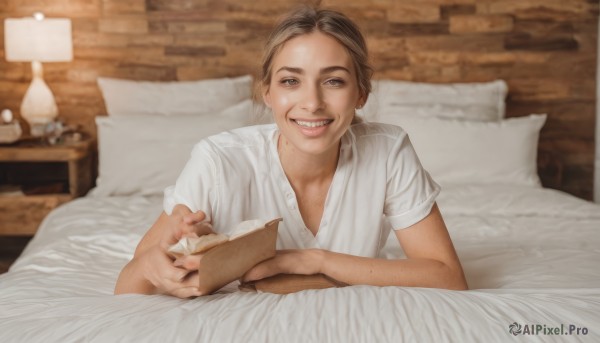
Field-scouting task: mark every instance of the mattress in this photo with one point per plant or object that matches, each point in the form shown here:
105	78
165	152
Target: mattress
530	255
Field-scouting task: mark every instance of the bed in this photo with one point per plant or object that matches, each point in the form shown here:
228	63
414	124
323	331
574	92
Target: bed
530	255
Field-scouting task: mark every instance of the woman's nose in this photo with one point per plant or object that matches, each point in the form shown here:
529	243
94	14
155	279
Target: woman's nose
312	99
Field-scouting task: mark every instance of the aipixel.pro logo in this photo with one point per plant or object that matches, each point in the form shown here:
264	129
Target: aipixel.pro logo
516	329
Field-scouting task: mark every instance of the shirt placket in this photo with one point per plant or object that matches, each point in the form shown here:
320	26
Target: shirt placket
300	231
292	203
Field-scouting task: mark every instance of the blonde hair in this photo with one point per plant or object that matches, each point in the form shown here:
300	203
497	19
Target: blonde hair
305	20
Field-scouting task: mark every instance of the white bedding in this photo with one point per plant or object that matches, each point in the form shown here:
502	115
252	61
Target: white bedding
531	256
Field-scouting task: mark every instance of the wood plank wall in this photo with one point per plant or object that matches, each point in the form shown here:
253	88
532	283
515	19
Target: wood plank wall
544	49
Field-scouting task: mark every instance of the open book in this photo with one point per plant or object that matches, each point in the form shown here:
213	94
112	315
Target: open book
227	259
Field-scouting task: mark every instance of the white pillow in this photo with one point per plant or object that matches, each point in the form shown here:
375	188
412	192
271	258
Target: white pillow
470	152
140	154
468	101
128	97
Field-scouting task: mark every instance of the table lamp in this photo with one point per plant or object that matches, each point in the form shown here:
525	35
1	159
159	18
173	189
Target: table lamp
36	40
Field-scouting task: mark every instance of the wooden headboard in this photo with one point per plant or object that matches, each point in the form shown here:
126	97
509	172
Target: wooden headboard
544	49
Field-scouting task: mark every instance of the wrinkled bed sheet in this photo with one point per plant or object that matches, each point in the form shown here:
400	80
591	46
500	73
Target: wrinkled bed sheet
531	256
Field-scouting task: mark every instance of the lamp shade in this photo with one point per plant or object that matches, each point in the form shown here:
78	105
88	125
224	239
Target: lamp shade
46	40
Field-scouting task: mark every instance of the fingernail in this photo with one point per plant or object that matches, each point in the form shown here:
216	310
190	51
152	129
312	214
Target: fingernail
178	263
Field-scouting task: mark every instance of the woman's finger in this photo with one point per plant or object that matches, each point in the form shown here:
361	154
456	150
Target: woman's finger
203	228
191	280
181	210
172	276
187	292
187	287
194	218
190	262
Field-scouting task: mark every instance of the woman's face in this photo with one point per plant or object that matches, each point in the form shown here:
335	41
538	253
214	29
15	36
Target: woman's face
313	92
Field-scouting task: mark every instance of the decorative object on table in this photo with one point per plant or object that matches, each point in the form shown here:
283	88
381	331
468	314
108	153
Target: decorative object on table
6	115
58	132
10	129
53	131
36	40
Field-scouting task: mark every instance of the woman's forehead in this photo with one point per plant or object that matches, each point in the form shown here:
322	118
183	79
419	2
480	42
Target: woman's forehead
315	50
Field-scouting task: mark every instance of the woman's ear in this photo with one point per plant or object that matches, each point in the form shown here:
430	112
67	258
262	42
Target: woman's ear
362	100
266	95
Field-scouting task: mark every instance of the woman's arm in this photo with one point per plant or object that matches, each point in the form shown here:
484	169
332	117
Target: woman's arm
152	270
431	261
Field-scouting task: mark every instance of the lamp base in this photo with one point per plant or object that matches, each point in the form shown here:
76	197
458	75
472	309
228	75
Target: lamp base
37	130
38	106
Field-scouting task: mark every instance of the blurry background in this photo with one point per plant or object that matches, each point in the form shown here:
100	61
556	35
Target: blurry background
544	49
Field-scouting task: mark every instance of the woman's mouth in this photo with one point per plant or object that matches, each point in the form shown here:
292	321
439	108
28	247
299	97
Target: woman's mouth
313	128
311	124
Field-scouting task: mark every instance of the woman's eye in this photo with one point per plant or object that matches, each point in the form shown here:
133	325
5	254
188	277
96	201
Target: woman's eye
289	82
335	82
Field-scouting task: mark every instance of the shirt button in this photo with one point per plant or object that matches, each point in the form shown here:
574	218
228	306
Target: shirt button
289	195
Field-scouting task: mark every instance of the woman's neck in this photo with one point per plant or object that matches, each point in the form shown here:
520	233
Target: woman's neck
302	168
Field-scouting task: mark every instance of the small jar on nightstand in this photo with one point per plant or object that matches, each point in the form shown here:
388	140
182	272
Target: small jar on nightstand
10	129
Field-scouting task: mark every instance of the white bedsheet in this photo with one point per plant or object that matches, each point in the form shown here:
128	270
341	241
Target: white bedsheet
531	256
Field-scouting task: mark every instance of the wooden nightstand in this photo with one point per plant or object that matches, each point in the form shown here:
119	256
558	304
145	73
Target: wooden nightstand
48	176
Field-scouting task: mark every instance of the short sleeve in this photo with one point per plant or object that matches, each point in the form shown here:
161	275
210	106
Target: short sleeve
410	190
195	187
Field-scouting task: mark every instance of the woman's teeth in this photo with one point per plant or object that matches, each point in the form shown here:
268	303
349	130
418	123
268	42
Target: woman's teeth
313	123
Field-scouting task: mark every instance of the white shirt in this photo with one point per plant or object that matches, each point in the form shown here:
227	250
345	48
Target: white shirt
237	175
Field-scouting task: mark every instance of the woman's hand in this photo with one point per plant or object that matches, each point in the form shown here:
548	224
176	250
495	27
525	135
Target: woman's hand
166	278
297	261
185	223
178	277
153	269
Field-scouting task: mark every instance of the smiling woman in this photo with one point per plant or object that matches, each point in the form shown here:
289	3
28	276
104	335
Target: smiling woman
313	94
339	186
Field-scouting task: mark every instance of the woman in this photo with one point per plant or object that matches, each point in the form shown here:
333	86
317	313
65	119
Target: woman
338	184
